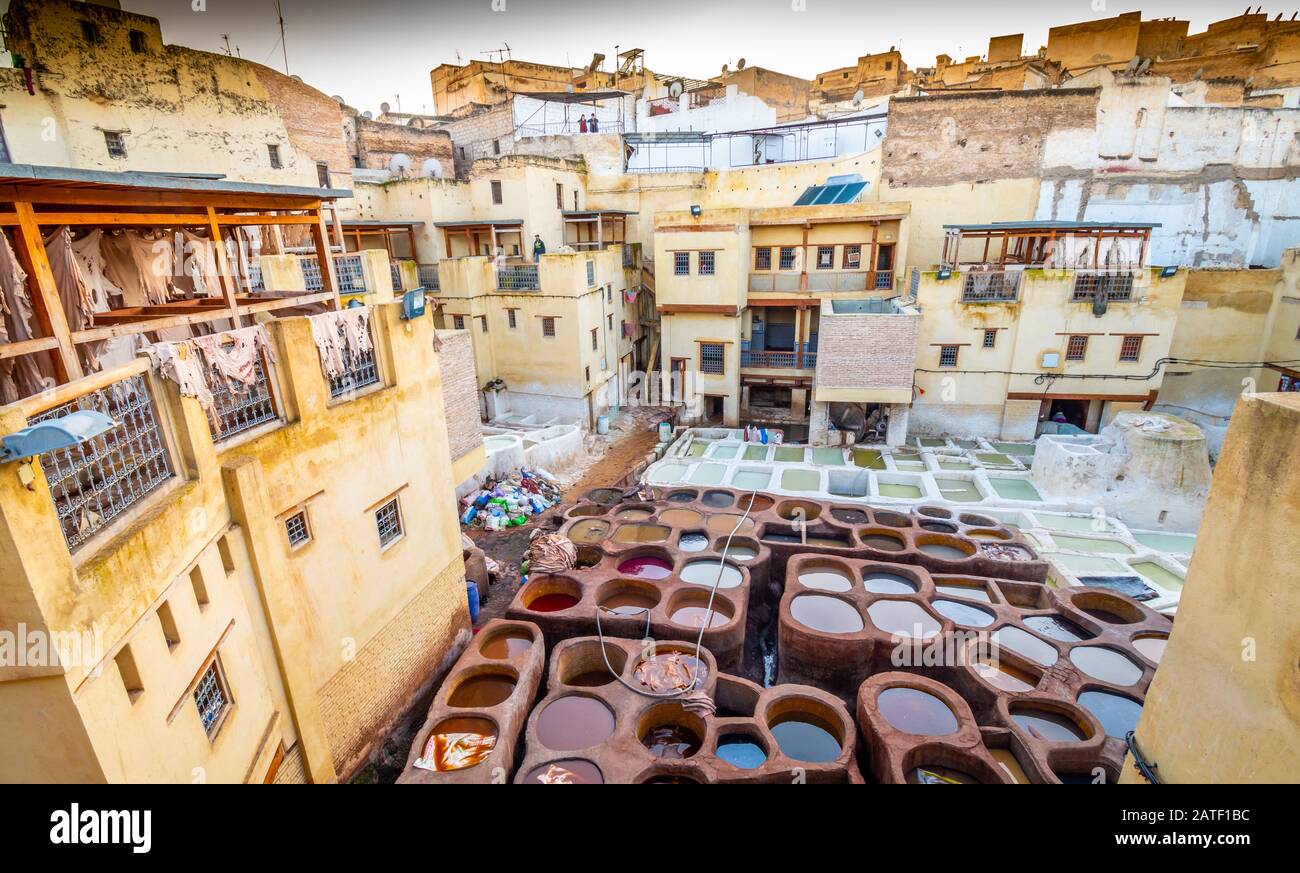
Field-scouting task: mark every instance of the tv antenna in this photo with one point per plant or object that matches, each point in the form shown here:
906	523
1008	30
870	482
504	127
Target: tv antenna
279	13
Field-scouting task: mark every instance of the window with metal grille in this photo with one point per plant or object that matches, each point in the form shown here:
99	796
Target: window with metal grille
706	263
826	257
1076	349
948	355
115	144
95	481
350	273
388	521
548	326
236	407
212	697
359	368
496	192
681	263
1130	349
594	342
990	339
296	528
458	321
510	318
852	257
273	151
763	259
713	358
787	258
591	273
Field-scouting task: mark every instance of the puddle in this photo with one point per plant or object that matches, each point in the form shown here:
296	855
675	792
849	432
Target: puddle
1002	675
692	542
725	453
591	530
681	517
894	489
629	603
756	453
641	533
552	602
1151	648
645	567
788	453
1081	523
825	578
868	458
969	591
751	480
1007	761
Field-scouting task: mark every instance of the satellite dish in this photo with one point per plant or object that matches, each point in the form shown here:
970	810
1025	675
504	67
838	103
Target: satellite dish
383	107
725	69
858	97
337	98
431	168
675	89
399	163
740	65
367	114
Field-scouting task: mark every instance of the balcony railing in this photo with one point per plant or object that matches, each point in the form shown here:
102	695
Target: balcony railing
96	481
1118	287
428	274
522	277
777	359
311	273
991	287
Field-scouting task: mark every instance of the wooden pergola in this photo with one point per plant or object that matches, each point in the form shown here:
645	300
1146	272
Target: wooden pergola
592	224
1029	243
475	231
33	198
358	229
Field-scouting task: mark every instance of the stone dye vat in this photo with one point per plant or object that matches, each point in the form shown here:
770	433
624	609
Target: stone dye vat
755	736
472	728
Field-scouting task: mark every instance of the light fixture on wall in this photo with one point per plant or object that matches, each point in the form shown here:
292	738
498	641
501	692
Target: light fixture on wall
1168	272
695	210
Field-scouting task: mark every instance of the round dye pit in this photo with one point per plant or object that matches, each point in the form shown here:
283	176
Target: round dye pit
670	671
597	678
988	535
1043	724
928	774
1008	762
738	552
826	614
741	751
586	510
507	644
805	737
671	741
604	495
945	551
1026	644
934	512
707	573
1106	665
963	614
939	527
641	533
970	592
913	711
755	503
629	603
724	524
482	691
882	542
459	743
1106	607
692	542
646	567
1151	648
825	577
634	513
572	771
1118	715
716	499
574	722
903	618
1057	628
888	583
591	530
892	519
698	616
1002	675
552	602
977	520
681	517
682	496
850	516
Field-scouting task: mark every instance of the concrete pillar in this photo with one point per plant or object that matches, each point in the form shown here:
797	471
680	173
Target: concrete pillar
896	433
798	402
819	416
282	273
378	277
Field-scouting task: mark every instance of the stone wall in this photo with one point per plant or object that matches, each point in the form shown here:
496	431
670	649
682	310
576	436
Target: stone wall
460	392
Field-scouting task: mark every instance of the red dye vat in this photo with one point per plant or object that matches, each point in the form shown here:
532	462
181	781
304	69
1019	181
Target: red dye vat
646	567
552	602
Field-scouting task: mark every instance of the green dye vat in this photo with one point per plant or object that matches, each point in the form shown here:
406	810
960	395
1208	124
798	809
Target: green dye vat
749	480
668	473
958	490
1091	546
910	466
1015	489
932	442
1086	565
830	457
995	459
789	453
869	458
698	449
1074	522
1015	448
1166	579
725	453
756	453
708	474
1175	544
955	465
893	489
801	480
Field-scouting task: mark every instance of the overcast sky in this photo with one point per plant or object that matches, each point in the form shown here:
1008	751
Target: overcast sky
370	51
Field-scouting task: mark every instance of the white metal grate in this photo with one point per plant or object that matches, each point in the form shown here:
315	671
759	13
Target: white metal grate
210	697
236	411
295	528
388	521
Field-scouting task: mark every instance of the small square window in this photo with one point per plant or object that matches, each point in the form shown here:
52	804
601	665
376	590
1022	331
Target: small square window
591	273
273	151
713	358
510	318
706	263
681	263
388	521
595	343
787	257
126	668
763	259
115	144
137	42
458	321
826	257
171	635
297	529
1077	348
852	257
948	355
496	192
1130	350
990	339
90	32
548	326
212	697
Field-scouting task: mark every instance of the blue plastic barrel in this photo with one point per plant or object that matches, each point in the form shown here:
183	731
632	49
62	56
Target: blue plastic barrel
472	591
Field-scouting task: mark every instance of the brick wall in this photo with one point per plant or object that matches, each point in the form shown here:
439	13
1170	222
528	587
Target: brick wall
360	703
979	137
475	133
378	141
313	119
867	351
460	393
293	770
